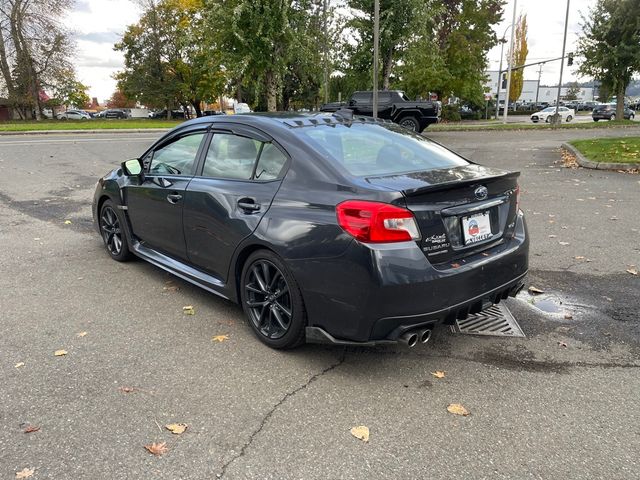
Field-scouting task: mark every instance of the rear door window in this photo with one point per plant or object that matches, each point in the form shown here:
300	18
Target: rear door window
271	163
231	156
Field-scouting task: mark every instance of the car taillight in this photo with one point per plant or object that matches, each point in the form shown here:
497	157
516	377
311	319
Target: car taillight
375	222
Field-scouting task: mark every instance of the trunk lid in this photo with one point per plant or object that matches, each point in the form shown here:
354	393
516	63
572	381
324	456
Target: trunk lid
460	211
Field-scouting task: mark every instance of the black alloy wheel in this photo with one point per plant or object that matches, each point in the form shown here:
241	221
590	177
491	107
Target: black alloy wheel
411	123
111	228
272	301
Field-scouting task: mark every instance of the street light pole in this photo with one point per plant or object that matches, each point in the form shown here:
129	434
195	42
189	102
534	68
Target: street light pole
376	34
564	44
513	31
502	42
325	52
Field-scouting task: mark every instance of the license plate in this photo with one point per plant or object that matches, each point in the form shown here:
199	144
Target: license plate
476	228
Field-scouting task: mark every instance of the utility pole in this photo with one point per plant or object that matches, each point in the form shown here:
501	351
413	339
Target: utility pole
513	31
325	53
564	44
538	87
376	35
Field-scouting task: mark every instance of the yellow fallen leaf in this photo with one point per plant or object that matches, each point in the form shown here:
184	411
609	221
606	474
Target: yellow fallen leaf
457	409
19	364
632	271
361	433
157	448
25	473
67	222
536	290
81	334
438	374
188	310
579	257
176	428
219	338
60	353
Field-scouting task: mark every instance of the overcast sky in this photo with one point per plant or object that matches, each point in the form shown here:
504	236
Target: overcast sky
100	23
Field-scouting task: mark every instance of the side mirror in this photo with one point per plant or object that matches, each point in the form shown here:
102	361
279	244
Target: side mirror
133	168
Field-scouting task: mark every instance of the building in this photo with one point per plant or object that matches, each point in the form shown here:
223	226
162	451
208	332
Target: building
530	87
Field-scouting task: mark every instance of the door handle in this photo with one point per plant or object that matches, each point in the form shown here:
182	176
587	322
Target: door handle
248	205
174	198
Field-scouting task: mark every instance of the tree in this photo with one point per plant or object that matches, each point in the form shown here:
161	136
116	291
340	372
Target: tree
573	91
120	100
34	51
519	57
610	46
167	59
452	60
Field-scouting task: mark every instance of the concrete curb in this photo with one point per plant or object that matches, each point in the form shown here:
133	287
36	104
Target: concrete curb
76	132
584	162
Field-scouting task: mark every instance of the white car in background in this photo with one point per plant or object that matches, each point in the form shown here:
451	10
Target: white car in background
73	115
567	114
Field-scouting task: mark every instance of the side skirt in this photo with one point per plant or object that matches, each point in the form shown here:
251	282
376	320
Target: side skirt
180	269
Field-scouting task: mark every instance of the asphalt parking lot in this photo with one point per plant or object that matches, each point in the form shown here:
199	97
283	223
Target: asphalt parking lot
560	403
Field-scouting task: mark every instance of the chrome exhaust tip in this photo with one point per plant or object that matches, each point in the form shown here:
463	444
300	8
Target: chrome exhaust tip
410	339
425	336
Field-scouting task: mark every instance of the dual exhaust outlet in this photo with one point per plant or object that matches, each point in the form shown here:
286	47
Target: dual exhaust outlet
411	339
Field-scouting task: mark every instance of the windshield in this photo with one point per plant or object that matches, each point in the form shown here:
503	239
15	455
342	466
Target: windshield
549	109
374	150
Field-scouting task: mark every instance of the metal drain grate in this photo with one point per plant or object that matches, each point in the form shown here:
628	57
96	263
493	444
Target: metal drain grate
496	321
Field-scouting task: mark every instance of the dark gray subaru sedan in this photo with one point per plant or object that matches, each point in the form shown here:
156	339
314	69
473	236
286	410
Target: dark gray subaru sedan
324	227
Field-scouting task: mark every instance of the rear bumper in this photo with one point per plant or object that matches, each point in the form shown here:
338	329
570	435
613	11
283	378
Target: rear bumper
375	293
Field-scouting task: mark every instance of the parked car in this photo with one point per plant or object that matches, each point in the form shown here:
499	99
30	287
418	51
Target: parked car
324	227
608	112
208	113
567	114
73	115
392	105
113	113
162	114
241	108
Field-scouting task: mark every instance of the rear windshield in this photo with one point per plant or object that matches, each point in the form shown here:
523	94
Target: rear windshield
375	150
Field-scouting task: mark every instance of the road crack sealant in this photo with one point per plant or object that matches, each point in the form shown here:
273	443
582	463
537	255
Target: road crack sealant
272	410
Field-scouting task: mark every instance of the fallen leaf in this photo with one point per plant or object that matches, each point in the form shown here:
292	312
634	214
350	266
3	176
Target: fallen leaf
25	473
219	338
633	270
568	316
67	222
564	244
60	353
176	428
579	257
457	409
19	364
157	448
81	334
535	290
171	288
188	310
562	344
361	433
438	374
31	428
127	389
552	236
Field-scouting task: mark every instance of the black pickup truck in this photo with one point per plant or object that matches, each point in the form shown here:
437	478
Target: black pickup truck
393	105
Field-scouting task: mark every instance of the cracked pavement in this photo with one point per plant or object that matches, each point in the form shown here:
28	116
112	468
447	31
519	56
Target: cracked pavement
539	409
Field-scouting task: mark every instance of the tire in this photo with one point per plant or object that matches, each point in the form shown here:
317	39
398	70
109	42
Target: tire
272	301
569	118
596	119
111	221
631	117
612	118
410	123
548	120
